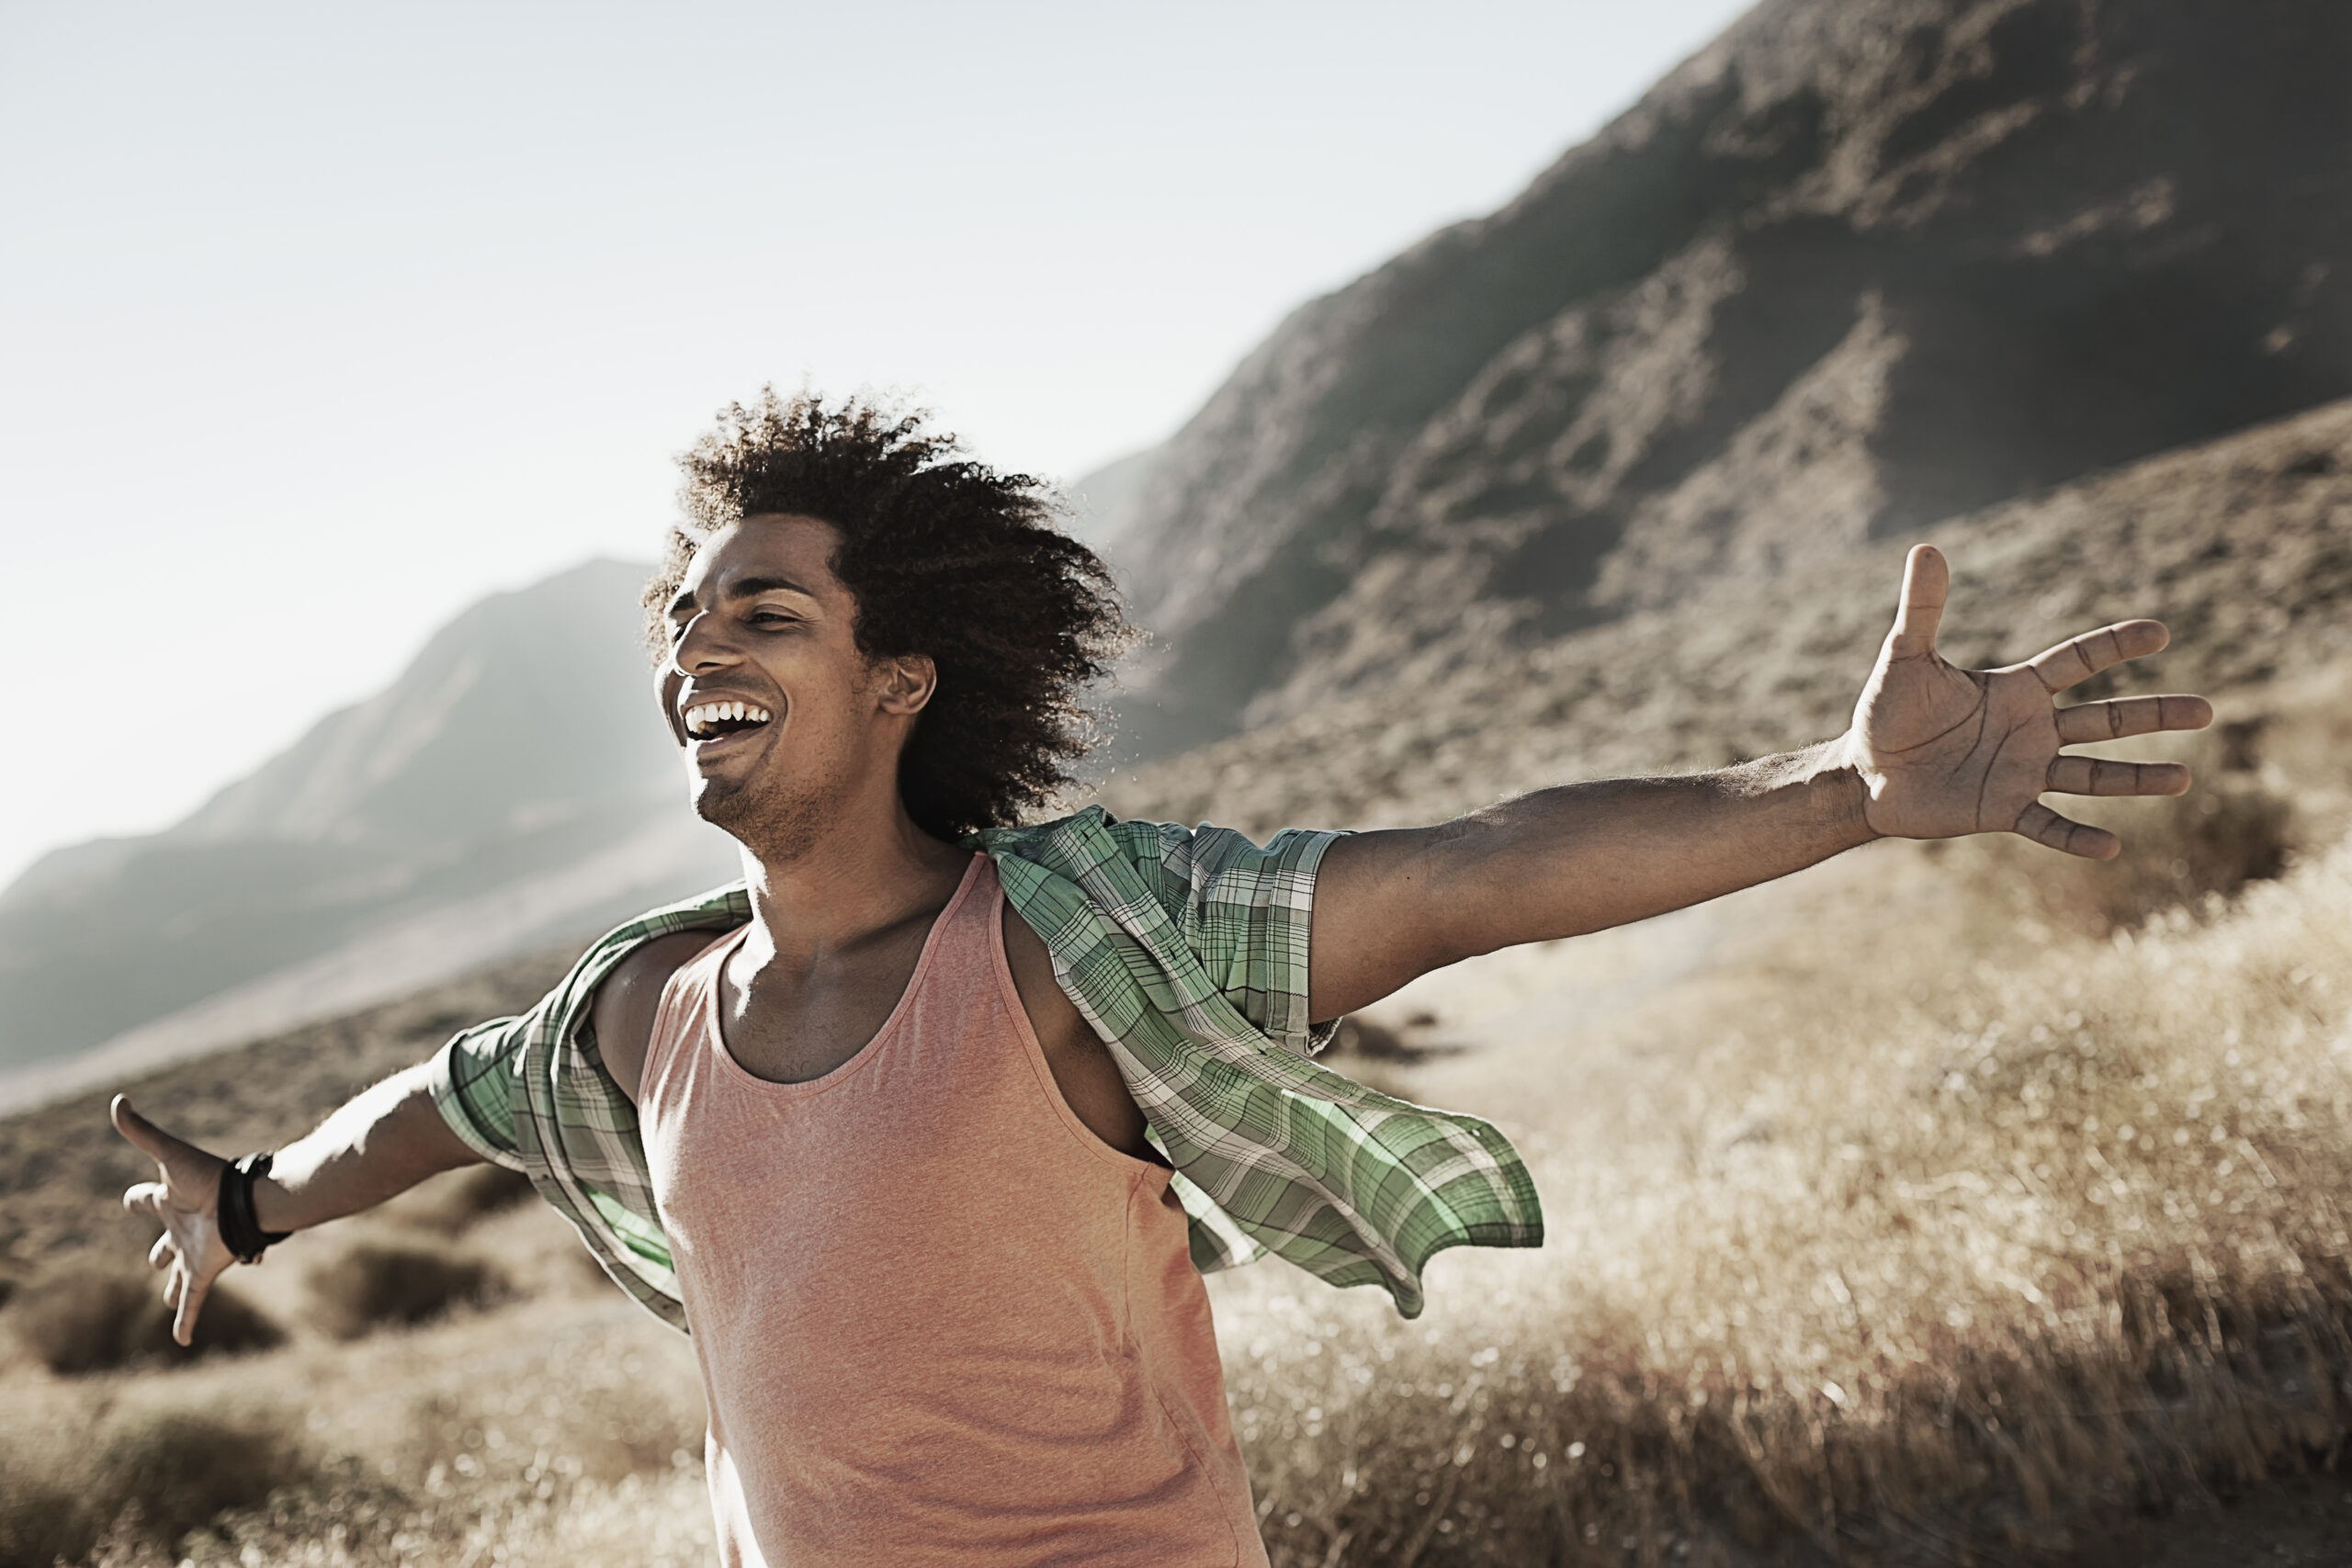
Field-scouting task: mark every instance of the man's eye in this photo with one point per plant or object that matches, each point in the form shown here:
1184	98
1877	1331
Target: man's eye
772	618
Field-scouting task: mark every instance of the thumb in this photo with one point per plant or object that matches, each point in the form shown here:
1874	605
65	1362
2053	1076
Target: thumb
177	1156
1927	579
142	1134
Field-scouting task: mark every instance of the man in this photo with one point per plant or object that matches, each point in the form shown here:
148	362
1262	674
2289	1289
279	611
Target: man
928	1129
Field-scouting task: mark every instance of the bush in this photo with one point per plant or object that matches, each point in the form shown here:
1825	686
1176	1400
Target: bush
182	1468
375	1285
146	1475
452	1203
2216	842
91	1317
2232	829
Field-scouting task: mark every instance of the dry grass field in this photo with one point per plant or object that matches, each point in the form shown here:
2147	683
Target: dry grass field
1937	1206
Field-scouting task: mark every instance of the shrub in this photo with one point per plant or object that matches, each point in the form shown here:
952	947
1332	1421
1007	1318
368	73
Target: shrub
2231	831
87	1316
183	1467
2217	843
374	1285
145	1474
451	1203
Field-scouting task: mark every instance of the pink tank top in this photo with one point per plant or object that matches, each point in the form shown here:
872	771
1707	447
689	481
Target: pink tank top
939	1320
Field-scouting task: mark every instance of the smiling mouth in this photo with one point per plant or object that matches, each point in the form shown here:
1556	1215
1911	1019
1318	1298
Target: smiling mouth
717	721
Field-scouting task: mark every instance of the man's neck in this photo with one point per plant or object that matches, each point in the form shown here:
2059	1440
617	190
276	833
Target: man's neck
857	876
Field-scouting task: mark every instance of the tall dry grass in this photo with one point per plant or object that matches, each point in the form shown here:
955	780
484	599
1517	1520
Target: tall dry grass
1893	1253
566	1431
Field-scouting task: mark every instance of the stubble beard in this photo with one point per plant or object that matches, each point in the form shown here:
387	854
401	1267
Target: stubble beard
775	820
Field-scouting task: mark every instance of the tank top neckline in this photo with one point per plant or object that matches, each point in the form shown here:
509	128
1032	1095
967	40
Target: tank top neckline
716	1036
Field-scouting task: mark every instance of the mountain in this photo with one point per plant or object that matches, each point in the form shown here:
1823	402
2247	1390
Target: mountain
1856	266
2241	546
1104	504
512	788
1609	478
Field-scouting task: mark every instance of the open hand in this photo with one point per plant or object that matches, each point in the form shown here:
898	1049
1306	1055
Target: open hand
185	1197
1947	751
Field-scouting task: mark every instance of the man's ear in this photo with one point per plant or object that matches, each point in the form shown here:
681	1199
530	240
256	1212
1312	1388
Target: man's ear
904	685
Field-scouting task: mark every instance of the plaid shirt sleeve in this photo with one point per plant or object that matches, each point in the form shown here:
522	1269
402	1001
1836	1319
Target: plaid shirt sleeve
1241	911
1186	949
473	1087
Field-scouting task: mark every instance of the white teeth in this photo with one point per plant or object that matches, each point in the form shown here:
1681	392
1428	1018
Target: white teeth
698	720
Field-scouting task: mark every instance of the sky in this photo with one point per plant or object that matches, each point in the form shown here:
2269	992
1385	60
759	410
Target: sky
320	322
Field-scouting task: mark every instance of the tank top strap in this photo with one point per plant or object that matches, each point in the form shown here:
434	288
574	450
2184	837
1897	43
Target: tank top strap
677	1015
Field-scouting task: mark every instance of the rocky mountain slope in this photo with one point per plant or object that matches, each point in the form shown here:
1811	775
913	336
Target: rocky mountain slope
1853	268
2244	546
512	787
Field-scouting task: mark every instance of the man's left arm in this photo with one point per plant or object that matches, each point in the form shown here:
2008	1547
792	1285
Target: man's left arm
1934	751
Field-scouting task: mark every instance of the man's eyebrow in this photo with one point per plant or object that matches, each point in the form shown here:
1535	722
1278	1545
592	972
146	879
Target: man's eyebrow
746	587
742	588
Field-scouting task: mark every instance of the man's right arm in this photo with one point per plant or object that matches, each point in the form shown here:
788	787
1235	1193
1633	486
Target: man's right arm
378	1145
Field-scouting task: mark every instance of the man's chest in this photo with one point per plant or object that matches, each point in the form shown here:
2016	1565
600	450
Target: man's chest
797	1034
804	1028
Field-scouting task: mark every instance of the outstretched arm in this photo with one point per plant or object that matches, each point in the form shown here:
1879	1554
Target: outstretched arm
379	1145
1934	751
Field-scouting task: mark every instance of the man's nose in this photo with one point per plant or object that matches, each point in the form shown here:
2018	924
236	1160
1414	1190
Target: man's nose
701	647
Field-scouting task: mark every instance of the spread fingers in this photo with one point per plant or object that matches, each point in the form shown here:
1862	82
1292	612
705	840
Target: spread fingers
2045	827
2123	716
2078	659
2096	775
160	1255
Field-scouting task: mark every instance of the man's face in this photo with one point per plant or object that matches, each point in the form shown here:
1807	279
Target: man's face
787	726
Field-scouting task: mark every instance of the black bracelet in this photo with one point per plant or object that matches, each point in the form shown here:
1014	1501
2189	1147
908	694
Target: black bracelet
241	1229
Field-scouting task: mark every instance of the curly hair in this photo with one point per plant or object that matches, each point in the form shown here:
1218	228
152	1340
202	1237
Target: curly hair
945	558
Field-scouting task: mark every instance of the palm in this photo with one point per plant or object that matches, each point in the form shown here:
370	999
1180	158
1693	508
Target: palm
184	1197
1947	751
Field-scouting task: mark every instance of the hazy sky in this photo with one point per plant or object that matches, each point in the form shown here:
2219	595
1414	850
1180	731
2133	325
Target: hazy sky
317	323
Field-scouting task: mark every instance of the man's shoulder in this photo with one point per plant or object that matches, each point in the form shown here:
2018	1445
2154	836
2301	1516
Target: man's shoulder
645	948
629	999
652	943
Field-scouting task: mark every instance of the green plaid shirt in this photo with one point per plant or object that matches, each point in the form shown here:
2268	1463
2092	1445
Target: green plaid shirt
1186	951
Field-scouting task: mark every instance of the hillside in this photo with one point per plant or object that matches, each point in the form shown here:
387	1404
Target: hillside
2244	546
514	786
1850	270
